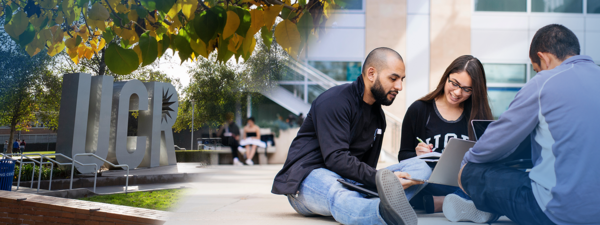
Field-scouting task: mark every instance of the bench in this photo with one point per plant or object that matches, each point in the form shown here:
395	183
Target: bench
260	152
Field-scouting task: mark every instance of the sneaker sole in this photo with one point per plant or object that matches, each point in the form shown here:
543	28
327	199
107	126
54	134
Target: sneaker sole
459	209
393	198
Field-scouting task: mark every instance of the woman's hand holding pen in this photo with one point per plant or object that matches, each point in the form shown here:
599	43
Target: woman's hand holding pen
423	148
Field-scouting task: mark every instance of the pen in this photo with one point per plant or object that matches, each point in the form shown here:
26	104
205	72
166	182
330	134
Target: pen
421	141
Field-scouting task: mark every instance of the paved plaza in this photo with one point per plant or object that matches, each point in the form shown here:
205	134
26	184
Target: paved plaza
242	195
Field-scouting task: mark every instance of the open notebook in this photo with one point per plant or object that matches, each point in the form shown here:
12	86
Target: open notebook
430	157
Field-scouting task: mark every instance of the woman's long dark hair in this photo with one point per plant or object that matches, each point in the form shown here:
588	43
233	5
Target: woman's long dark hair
477	103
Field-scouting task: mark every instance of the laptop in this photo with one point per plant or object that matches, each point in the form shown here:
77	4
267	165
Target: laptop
447	168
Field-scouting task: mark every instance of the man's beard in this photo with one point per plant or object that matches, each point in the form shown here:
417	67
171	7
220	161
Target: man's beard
380	95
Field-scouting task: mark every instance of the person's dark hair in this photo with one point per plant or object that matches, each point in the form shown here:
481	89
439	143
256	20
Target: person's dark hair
377	58
477	103
555	39
251	119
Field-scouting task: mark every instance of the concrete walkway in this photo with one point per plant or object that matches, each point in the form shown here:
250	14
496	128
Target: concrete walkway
242	195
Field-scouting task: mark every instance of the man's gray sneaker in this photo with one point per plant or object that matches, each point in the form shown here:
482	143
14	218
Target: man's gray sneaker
458	209
394	207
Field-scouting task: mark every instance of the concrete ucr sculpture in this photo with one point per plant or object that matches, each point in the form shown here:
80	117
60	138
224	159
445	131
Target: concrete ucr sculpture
94	114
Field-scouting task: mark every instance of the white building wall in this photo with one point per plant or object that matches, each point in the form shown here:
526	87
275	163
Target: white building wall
417	50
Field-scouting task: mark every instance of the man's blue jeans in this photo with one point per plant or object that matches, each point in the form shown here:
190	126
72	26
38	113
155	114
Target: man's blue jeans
321	194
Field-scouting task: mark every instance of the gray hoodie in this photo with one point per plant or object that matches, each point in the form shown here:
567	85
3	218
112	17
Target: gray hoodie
560	108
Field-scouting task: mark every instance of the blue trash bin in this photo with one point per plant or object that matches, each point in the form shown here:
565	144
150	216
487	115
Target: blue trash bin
7	173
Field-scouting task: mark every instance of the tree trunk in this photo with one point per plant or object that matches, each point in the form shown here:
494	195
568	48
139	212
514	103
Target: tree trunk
102	66
11	138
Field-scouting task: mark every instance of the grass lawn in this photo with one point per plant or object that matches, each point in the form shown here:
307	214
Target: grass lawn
159	200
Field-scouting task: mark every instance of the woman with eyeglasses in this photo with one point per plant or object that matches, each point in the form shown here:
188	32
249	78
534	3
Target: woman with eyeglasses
445	113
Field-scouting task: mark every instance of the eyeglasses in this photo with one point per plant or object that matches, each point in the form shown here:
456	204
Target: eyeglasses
456	85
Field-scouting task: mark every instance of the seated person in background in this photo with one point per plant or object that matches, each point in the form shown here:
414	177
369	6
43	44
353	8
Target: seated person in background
251	140
230	136
446	112
559	109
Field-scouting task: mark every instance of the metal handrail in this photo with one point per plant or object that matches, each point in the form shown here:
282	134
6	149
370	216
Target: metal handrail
33	161
61	164
96	173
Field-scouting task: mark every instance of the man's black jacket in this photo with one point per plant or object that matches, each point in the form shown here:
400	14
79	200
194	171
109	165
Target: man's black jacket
324	139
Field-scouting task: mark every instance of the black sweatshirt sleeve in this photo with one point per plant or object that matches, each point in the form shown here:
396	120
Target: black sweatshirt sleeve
411	129
333	125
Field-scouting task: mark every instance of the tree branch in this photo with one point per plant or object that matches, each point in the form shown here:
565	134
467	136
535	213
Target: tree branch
277	2
114	12
201	2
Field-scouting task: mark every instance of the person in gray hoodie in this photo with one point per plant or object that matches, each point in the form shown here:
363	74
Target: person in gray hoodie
559	108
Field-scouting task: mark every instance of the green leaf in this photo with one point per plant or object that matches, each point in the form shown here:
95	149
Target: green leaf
183	47
78	40
141	11
149	48
8	12
305	25
287	13
108	35
267	37
208	24
161	5
244	21
165	42
27	36
223	53
121	61
302	2
123	16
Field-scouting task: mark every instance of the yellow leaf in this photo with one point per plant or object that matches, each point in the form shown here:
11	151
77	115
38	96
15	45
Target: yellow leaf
81	50
138	50
159	47
60	18
271	14
83	32
45	35
73	55
55	49
57	35
232	24
212	44
32	50
113	3
132	15
36	21
88	53
48	4
176	24
288	37
235	43
122	8
248	45
101	44
287	2
326	7
17	25
94	43
187	7
199	47
98	12
257	20
70	43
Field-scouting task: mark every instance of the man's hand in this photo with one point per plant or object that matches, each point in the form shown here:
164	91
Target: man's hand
423	148
406	183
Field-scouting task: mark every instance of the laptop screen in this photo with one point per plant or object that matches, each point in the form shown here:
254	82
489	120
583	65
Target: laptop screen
479	127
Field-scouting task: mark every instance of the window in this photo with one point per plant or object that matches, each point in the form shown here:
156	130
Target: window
562	6
505	73
500	99
501	5
340	71
593	6
351	4
504	80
